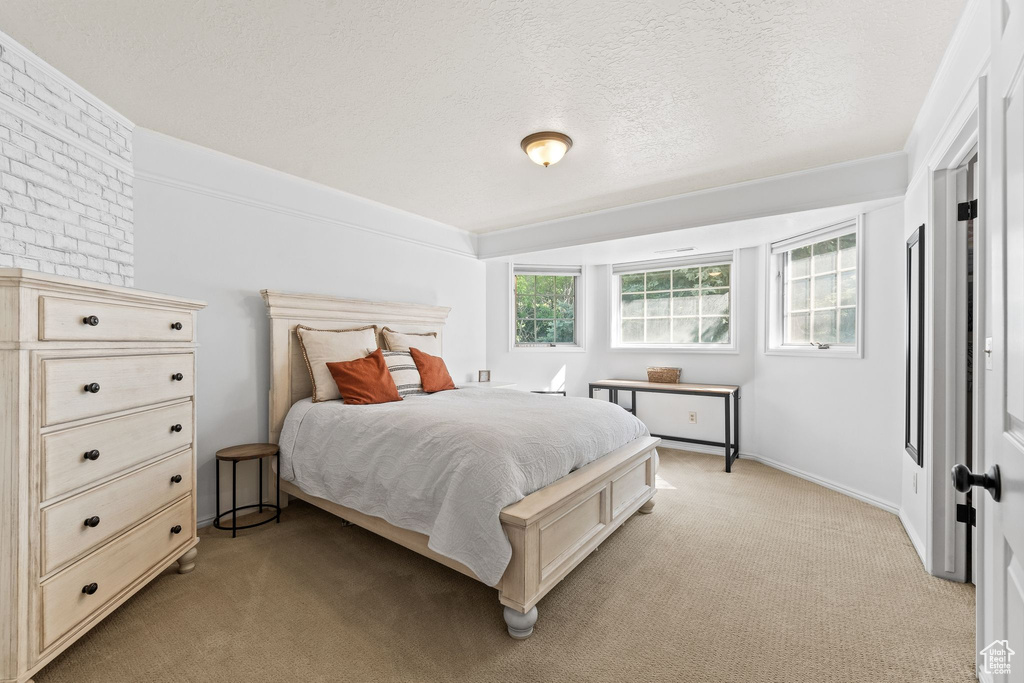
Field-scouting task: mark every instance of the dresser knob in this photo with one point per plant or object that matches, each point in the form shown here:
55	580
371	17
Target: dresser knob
93	521
92	388
92	455
177	377
91	320
175	428
175	326
90	588
176	479
176	529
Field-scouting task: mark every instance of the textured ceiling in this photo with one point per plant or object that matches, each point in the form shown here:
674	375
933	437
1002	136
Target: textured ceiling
422	105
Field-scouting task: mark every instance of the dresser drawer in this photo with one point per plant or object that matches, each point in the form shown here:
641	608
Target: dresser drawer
80	320
112	568
74	388
118	504
81	455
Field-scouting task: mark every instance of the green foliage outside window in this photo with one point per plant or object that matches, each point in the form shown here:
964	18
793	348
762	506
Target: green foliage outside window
545	309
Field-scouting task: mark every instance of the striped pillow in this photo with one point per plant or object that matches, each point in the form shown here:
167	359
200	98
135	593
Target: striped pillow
404	372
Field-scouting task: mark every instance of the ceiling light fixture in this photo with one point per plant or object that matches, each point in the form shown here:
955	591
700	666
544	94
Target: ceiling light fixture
546	148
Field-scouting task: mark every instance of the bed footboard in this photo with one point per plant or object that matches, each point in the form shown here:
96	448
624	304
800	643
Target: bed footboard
557	527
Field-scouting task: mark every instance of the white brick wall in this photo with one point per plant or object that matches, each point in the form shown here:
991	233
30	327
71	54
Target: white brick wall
66	175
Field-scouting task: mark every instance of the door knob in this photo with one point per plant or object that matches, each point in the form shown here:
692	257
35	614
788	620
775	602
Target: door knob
964	479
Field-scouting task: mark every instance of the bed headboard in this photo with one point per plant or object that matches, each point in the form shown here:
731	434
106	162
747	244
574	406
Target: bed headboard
289	378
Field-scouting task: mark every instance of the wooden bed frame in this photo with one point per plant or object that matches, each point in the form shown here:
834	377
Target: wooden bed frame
551	530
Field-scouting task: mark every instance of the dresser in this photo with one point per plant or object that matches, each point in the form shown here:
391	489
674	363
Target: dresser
97	455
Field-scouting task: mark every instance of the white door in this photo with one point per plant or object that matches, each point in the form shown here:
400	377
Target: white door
1001	589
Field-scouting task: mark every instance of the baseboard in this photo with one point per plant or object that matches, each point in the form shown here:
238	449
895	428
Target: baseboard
821	481
915	540
982	676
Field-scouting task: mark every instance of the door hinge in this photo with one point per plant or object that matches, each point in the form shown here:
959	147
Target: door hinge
965	514
965	211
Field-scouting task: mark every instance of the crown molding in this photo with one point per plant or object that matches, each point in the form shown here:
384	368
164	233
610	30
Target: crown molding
168	161
59	132
38	62
848	182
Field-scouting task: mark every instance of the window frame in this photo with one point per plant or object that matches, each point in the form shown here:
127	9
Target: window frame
724	257
579	305
775	254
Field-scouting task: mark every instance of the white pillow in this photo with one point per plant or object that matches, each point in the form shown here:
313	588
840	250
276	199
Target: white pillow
320	347
427	342
403	370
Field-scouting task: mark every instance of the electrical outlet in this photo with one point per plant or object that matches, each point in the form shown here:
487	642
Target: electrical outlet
693	417
915	482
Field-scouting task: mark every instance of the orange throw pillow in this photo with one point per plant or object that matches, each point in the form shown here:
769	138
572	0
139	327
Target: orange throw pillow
365	381
433	371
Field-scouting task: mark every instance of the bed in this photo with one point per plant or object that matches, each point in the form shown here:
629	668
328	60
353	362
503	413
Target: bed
545	534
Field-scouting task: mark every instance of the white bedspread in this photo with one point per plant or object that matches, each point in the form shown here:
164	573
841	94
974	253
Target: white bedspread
445	465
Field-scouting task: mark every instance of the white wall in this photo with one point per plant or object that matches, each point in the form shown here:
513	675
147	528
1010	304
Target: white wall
829	419
247	228
836	419
914	478
65	174
947	110
572	370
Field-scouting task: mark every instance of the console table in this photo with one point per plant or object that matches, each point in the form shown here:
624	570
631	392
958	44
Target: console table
728	392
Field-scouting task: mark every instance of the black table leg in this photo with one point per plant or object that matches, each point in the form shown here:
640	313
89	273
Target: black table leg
260	500
278	488
591	390
632	406
728	438
216	466
234	502
736	410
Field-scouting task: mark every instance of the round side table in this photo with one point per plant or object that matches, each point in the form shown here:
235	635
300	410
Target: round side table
234	454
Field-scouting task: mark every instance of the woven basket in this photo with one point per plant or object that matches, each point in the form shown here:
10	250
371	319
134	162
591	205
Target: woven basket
664	375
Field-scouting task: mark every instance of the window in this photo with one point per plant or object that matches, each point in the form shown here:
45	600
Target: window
545	301
816	291
681	303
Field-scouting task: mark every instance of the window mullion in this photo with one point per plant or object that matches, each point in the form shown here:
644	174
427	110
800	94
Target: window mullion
813	257
653	316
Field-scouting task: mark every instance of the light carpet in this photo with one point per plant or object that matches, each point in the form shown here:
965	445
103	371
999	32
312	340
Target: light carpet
751	576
